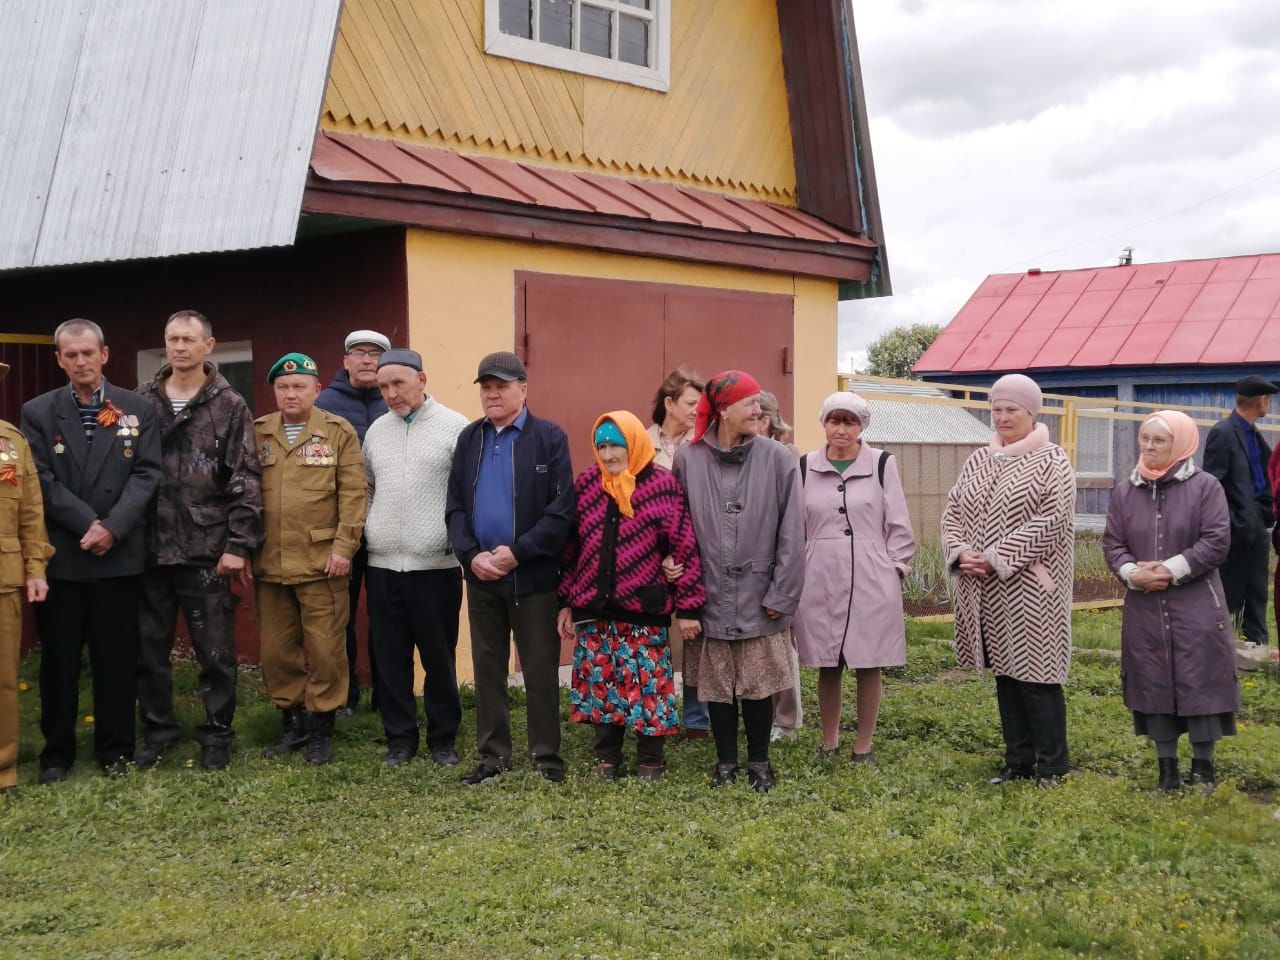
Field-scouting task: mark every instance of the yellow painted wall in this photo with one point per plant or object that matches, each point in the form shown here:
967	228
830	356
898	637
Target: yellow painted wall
462	306
416	70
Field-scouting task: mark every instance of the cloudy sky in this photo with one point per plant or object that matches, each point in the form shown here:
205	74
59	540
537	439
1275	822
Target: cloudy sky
1011	134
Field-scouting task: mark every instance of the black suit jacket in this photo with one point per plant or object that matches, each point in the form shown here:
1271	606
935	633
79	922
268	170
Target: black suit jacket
1227	458
93	481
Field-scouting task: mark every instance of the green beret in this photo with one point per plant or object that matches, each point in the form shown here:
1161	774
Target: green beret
293	363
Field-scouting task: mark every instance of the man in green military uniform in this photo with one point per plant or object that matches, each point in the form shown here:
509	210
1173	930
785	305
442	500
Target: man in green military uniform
24	548
314	497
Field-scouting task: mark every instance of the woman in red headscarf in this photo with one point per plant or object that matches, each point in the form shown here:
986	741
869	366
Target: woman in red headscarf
1168	531
744	495
616	601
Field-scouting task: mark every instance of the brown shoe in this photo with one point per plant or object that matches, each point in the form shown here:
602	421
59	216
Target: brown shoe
650	773
693	734
607	771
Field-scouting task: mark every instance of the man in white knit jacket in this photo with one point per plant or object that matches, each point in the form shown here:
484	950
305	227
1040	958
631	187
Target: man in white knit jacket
414	581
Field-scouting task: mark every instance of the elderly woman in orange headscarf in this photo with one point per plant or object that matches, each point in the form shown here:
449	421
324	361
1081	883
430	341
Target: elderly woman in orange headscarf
616	602
1168	531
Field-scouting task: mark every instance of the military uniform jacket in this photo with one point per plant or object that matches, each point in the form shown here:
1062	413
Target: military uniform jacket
24	543
210	496
314	494
112	479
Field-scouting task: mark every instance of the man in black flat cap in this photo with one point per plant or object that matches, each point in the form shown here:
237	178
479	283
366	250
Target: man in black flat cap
1236	453
510	508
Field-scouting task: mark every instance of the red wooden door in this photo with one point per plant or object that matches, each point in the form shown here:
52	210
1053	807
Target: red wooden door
592	346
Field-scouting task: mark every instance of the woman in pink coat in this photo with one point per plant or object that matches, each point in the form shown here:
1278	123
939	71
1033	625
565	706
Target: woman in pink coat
858	548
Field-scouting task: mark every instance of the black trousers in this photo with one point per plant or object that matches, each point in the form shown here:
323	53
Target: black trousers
1033	717
418	609
496	614
359	567
102	614
1244	581
650	751
208	605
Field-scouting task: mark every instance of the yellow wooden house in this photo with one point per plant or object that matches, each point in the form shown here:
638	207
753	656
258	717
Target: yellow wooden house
610	187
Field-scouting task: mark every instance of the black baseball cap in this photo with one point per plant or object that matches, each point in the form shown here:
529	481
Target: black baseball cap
401	356
504	365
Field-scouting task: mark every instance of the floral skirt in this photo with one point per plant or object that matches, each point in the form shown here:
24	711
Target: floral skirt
749	669
622	674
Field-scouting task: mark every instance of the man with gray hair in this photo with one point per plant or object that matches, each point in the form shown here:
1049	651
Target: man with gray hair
353	395
97	450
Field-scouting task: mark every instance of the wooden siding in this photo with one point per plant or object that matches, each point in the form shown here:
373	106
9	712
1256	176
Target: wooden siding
416	70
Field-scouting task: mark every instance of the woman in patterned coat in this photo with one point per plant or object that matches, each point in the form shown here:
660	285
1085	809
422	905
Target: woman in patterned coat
616	600
1008	534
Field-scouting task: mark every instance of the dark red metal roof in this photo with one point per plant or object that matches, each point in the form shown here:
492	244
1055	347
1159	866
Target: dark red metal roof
352	159
1186	313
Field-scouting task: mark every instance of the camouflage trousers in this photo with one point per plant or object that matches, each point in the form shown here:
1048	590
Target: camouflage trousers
208	606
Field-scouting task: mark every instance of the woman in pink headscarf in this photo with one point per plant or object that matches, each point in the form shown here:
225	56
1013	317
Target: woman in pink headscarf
1168	530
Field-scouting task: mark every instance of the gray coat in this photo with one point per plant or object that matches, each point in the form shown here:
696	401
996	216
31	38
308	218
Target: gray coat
112	479
1178	655
749	520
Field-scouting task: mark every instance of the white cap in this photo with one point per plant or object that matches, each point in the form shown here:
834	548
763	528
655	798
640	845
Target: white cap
366	336
849	402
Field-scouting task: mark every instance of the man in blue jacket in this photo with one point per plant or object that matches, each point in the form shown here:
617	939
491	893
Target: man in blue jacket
510	508
353	395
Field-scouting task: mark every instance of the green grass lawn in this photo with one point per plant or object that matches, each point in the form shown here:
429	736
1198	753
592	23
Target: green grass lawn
916	859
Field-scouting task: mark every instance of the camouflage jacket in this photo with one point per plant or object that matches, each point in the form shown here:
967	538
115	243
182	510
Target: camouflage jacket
210	497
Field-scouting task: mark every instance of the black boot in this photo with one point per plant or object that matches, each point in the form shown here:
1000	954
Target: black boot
294	736
320	742
1170	779
1202	773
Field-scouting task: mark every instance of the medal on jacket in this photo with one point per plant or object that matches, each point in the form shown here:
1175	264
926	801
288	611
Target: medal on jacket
58	446
9	472
8	451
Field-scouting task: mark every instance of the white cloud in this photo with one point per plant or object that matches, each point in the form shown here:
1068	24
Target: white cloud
1044	133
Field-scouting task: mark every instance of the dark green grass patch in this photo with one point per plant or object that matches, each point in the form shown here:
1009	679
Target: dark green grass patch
918	858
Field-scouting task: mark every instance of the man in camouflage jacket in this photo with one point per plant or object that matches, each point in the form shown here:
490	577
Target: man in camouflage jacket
205	521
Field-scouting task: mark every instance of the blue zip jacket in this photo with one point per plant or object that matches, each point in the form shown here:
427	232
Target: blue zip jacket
543	505
359	406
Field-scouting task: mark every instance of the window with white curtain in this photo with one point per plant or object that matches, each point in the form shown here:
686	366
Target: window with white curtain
624	40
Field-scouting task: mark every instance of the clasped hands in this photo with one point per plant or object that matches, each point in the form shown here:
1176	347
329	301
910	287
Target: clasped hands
1152	576
494	564
973	564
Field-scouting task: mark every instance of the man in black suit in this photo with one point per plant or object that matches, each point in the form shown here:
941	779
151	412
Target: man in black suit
1237	455
97	451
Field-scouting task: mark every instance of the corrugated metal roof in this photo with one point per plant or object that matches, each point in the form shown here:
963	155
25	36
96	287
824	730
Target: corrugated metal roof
347	158
899	421
1184	313
144	128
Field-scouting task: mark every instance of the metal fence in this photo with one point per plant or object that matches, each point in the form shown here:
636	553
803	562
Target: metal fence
1099	435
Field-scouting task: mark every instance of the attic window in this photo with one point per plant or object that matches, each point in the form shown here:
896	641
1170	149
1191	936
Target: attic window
624	40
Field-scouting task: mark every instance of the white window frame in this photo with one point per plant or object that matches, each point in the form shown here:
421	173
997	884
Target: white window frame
1111	442
233	351
657	77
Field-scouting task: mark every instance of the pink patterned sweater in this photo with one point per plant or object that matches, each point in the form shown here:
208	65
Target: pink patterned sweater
612	565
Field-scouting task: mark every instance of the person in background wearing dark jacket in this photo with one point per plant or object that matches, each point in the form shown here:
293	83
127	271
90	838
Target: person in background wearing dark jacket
510	508
1168	529
97	450
616	601
353	395
1236	454
204	524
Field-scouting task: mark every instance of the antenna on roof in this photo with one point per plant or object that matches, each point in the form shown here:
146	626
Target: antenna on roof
1126	257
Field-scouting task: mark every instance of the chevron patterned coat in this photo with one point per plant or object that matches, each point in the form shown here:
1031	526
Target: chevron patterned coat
1017	511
